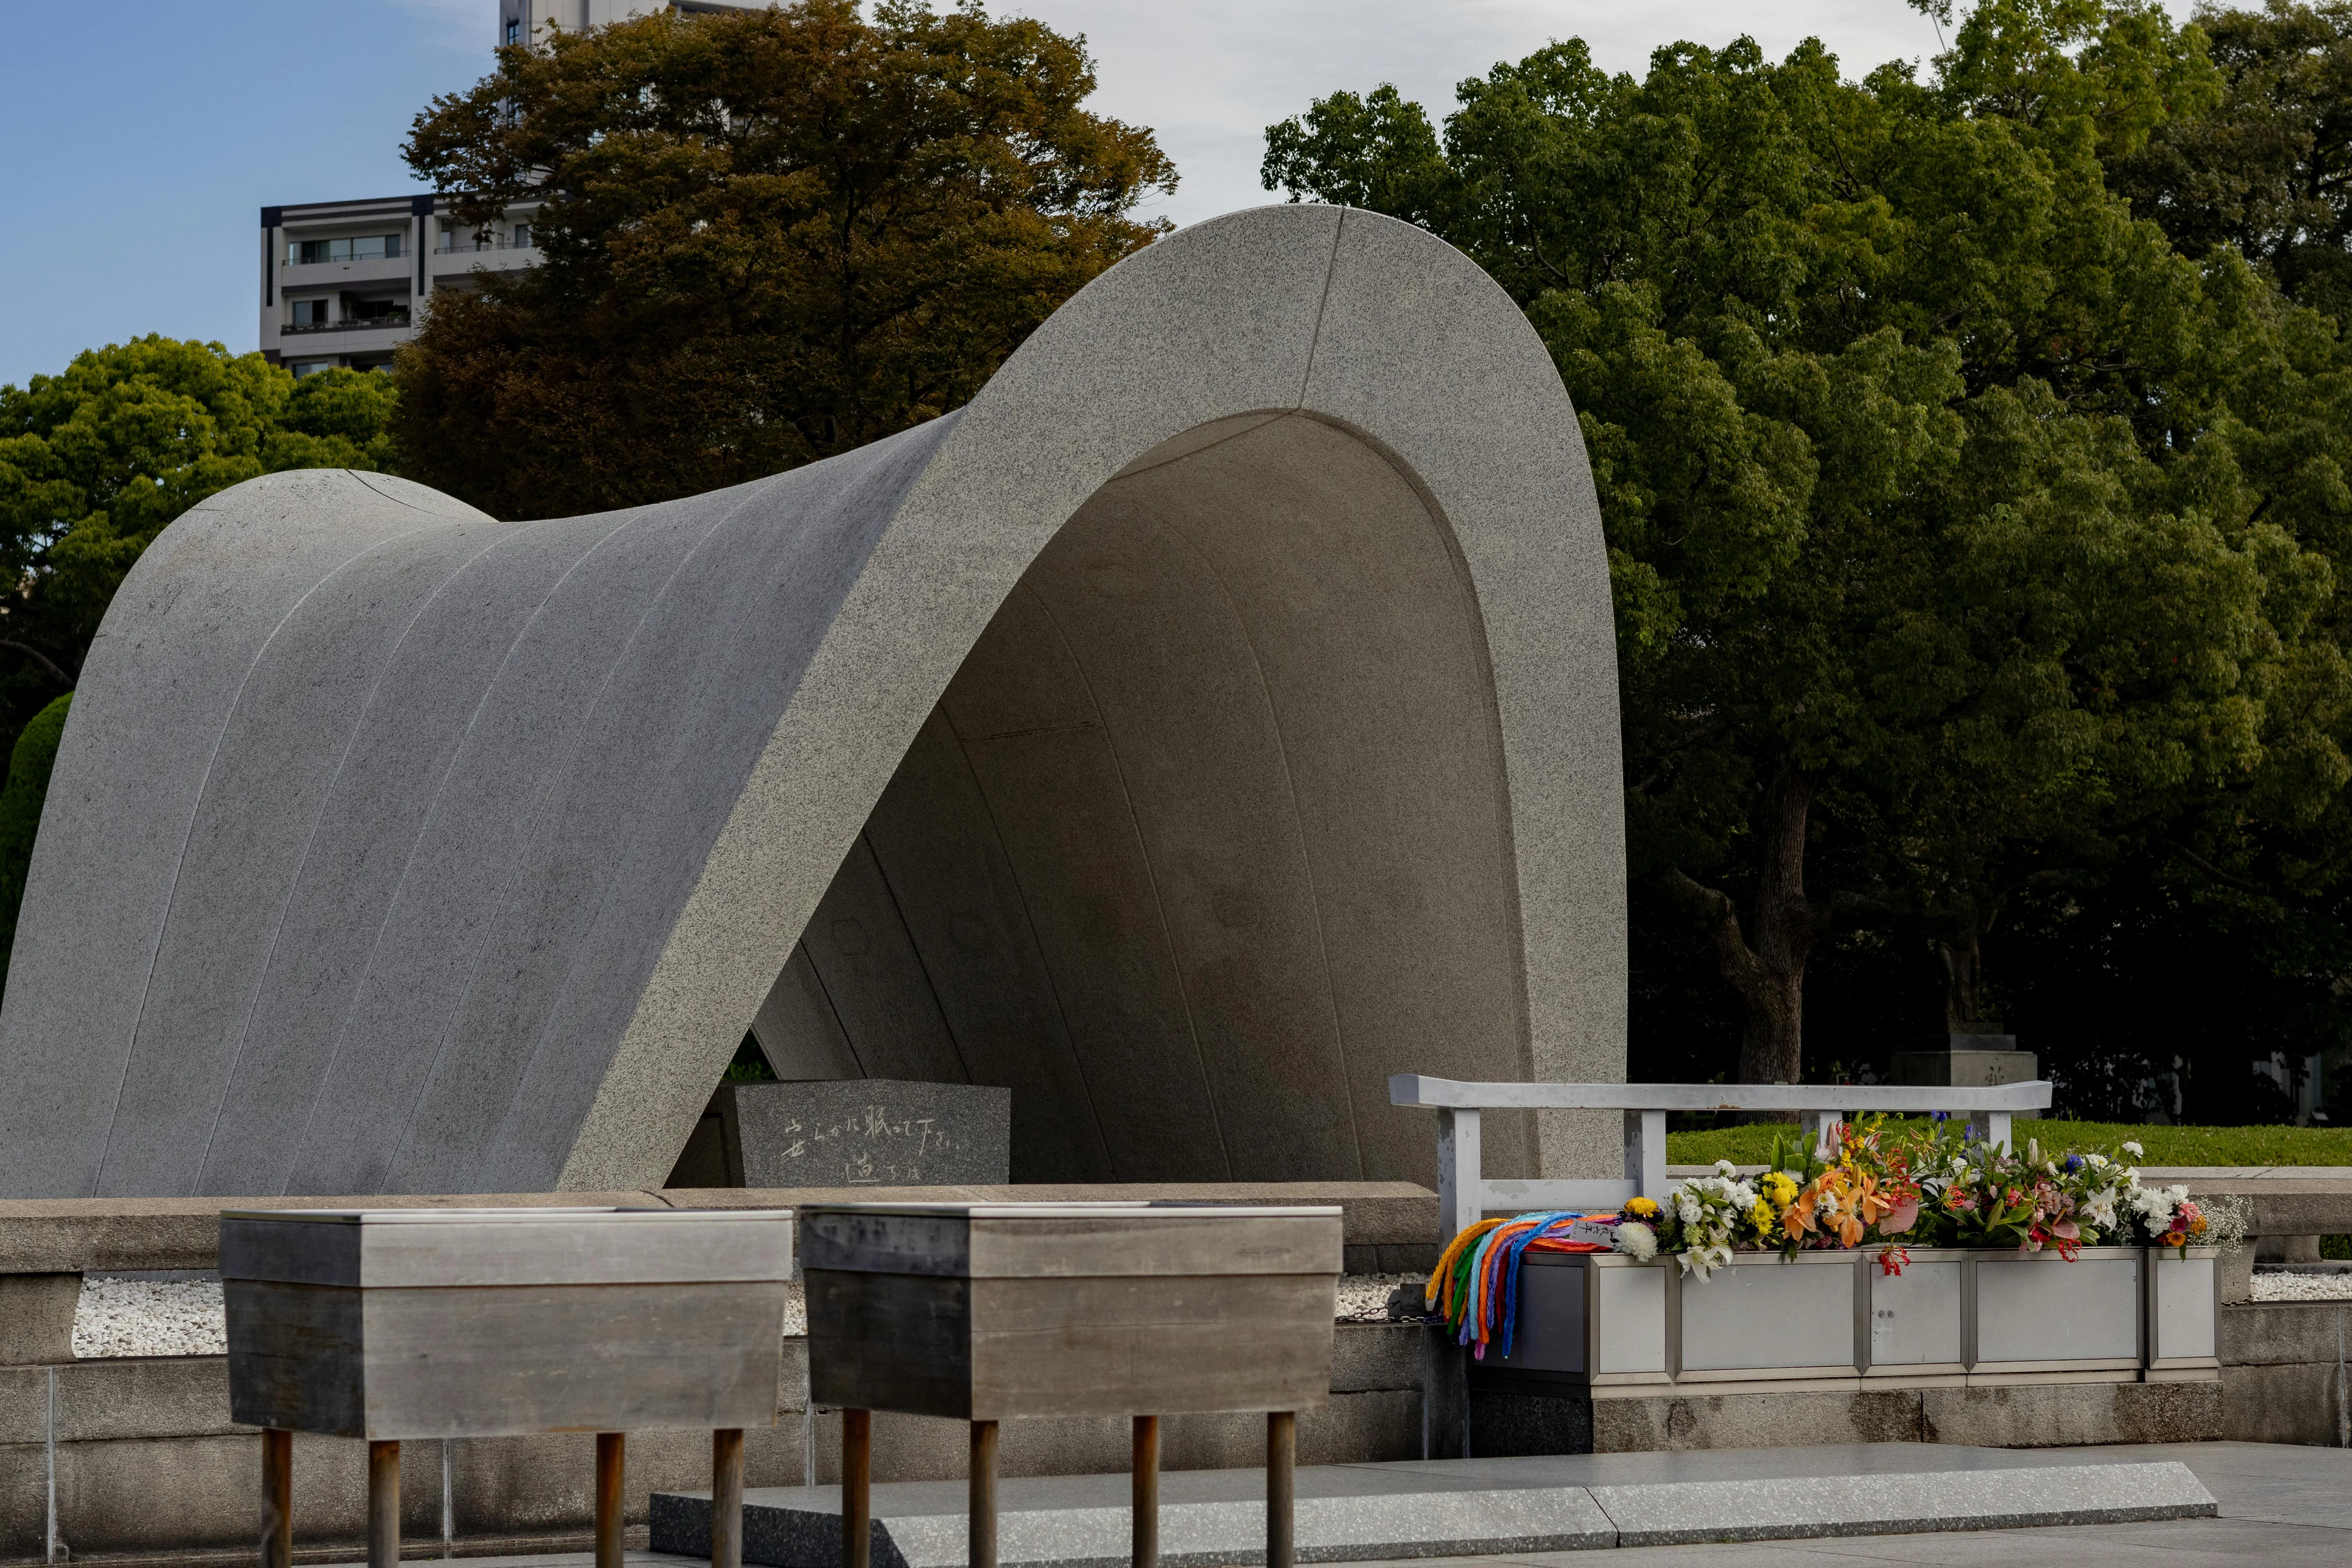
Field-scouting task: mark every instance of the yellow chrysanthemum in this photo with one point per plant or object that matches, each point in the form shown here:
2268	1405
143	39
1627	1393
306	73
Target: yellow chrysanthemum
1760	1216
1642	1208
1780	1188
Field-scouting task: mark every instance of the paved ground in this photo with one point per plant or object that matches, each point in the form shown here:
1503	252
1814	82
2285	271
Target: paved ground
2282	1507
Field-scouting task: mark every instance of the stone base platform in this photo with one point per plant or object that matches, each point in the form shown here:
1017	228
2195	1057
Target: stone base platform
1512	1421
1449	1508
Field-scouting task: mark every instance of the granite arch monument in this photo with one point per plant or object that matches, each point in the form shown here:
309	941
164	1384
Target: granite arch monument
1214	716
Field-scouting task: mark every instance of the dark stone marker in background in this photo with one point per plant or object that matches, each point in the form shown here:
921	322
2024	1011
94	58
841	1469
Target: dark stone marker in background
1981	1060
851	1132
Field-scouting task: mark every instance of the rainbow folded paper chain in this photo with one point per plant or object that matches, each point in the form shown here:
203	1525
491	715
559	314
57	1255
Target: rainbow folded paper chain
1476	1281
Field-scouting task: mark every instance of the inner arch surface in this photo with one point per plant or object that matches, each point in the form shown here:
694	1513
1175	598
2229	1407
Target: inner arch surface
1208	837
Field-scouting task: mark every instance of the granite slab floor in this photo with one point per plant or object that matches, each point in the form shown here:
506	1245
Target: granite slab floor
2280	1506
1532	1511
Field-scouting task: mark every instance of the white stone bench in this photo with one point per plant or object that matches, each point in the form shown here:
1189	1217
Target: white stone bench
1465	1195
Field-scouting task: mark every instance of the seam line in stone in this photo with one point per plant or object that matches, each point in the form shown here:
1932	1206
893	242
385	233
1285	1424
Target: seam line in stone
188	833
311	846
1151	877
1298	822
914	943
557	773
1322	303
425	834
1029	914
832	1009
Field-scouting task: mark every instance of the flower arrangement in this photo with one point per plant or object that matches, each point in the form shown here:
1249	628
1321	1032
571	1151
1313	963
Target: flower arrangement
1931	1189
1883	1188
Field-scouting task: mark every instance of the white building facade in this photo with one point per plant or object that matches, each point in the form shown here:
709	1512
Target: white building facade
346	283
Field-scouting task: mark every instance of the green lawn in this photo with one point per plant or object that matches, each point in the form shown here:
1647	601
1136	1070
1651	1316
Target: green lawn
2165	1145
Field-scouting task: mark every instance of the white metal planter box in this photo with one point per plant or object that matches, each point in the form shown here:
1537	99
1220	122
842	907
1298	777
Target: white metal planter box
1917	1323
1596	1320
2183	1303
1604	1323
1763	1316
2040	1313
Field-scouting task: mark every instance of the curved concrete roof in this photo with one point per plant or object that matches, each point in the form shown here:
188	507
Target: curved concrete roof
1215	716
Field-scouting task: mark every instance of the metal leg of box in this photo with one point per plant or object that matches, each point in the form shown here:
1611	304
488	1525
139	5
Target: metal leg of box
727	1498
277	1499
1145	1473
611	1466
856	1488
383	1504
1281	1486
980	1503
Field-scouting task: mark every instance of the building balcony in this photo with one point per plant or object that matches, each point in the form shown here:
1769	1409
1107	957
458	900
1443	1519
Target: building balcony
374	325
374	268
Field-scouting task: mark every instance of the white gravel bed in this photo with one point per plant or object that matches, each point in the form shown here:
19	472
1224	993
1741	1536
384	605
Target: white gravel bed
1364	1298
149	1317
2303	1287
154	1317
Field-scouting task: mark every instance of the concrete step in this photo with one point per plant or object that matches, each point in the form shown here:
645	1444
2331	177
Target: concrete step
1449	1508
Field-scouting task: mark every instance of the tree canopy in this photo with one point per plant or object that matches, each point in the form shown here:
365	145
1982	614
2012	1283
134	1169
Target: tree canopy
2267	168
768	237
1967	536
95	461
29	763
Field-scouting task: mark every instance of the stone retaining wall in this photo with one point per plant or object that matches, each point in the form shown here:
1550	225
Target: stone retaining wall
2282	1372
148	1463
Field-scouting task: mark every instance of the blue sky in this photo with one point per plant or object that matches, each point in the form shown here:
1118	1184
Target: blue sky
142	136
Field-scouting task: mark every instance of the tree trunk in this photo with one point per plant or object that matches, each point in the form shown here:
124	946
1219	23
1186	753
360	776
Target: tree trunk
1766	963
1963	956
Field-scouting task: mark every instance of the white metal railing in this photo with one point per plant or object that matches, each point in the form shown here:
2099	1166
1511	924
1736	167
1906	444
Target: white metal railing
1465	1195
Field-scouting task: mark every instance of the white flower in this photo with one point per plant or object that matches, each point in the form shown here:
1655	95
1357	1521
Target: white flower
1635	1240
2135	1152
1725	1168
2097	1162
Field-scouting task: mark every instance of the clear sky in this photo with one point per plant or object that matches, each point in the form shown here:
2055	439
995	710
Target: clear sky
140	138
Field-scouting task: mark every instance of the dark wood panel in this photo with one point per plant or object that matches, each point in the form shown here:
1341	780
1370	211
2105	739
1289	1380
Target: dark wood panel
294	1358
891	1341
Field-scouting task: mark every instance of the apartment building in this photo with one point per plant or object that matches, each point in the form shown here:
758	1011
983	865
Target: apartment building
345	283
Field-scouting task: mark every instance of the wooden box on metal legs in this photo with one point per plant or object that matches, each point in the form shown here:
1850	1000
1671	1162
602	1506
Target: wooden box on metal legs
407	1323
988	1311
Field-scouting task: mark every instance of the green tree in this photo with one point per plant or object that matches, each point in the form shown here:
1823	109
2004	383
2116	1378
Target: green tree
1946	555
2267	169
768	237
95	462
30	764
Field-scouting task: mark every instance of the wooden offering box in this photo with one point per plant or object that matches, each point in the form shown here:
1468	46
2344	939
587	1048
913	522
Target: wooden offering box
986	1311
394	1323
